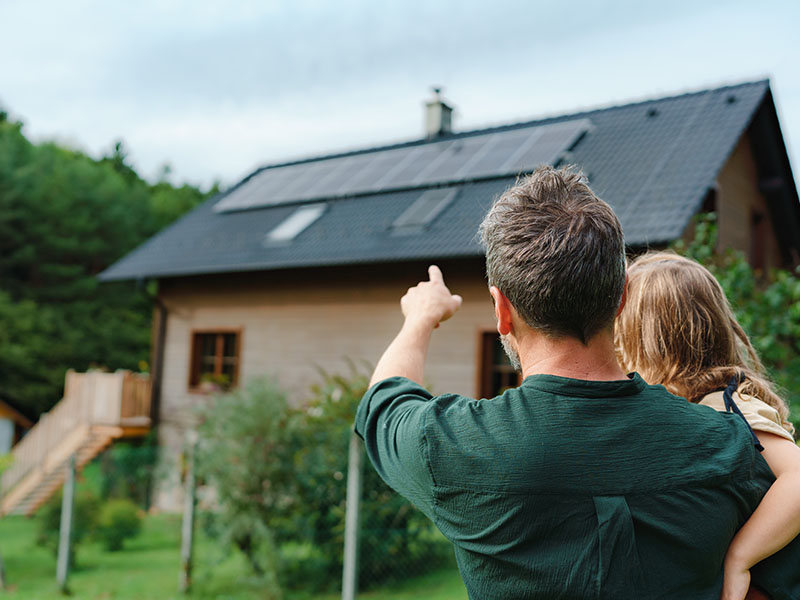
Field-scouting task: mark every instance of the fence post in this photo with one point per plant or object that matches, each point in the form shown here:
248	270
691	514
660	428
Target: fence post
187	527
2	574
355	470
65	531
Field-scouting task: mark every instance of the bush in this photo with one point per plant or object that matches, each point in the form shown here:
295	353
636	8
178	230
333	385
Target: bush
397	540
86	509
128	469
281	479
247	438
119	520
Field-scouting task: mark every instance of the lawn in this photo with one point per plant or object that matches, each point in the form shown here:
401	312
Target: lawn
148	569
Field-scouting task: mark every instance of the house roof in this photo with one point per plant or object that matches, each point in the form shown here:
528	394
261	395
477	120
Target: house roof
652	161
9	409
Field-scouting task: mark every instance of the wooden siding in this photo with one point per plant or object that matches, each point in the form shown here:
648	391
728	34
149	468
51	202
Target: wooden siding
738	197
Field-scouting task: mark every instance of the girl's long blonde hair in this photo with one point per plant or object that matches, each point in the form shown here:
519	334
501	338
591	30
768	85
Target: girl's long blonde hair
677	329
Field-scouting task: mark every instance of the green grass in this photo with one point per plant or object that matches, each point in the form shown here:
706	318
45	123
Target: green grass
148	568
442	585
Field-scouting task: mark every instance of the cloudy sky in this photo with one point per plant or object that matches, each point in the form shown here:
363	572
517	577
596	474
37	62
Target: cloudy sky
215	89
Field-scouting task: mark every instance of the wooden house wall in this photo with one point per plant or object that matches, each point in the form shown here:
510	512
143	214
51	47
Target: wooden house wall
295	323
738	198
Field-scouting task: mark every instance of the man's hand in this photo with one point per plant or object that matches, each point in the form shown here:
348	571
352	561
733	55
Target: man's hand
425	306
430	302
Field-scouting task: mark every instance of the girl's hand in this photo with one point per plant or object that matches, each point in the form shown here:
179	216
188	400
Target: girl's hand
736	583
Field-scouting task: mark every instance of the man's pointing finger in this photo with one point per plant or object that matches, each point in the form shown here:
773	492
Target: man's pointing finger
435	274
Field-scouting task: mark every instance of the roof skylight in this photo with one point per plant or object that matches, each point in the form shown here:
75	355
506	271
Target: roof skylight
296	223
424	209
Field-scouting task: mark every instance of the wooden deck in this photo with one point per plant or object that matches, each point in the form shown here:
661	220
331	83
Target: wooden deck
97	408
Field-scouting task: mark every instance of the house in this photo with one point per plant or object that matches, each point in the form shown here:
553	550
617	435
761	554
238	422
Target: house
301	264
13	425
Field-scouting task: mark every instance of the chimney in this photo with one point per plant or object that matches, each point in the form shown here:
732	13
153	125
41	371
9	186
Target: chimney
438	116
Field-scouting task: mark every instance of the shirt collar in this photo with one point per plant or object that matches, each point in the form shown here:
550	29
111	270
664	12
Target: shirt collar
565	386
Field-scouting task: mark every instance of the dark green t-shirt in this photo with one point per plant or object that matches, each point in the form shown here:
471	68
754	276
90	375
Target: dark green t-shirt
564	488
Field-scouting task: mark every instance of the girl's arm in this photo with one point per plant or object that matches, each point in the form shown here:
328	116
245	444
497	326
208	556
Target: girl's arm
775	522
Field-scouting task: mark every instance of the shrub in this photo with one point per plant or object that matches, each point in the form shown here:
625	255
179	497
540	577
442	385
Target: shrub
396	539
84	520
247	438
281	479
119	520
128	469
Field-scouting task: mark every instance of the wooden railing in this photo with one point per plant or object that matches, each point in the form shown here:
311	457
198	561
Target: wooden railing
94	398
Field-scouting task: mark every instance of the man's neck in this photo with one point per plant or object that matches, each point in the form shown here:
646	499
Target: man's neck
568	357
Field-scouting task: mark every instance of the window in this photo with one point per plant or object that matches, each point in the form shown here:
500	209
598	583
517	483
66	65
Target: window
423	210
215	360
496	372
758	240
295	224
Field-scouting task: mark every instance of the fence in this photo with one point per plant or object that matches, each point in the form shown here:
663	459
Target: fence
389	545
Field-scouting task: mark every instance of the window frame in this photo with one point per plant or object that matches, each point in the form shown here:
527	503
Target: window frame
485	367
194	383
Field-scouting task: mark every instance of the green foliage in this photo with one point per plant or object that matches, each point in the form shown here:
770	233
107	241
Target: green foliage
65	217
286	469
119	520
85	513
128	469
247	439
766	304
396	539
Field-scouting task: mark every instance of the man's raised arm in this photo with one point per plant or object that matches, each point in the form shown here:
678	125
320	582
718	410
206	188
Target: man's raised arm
424	306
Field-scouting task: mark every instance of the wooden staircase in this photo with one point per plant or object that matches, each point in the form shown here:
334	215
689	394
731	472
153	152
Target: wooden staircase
97	408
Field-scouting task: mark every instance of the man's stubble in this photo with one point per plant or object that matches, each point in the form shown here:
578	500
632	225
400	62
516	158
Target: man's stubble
512	354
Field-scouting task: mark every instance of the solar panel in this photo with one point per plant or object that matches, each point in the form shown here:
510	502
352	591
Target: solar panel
346	168
452	160
317	185
498	148
480	156
305	178
547	148
421	158
374	168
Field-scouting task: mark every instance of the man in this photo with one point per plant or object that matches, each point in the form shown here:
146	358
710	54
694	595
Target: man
583	482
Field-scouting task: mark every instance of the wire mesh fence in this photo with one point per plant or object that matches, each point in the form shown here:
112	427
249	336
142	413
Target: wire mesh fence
283	526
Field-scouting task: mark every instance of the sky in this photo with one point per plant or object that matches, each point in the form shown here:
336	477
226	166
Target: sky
214	90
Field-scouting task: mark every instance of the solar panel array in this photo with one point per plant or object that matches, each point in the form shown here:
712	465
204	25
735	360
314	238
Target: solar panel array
436	163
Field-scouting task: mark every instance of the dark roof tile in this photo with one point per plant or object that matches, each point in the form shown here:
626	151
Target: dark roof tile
652	161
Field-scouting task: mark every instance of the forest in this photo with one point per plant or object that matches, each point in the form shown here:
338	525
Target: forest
64	218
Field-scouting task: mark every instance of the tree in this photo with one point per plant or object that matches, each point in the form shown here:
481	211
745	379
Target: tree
65	217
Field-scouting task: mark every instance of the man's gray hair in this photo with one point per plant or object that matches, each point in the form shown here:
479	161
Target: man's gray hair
557	252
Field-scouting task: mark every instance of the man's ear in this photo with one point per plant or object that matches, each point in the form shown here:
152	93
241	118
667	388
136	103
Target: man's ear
503	310
624	296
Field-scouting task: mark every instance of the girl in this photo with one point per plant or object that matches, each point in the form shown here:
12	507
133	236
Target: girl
678	330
